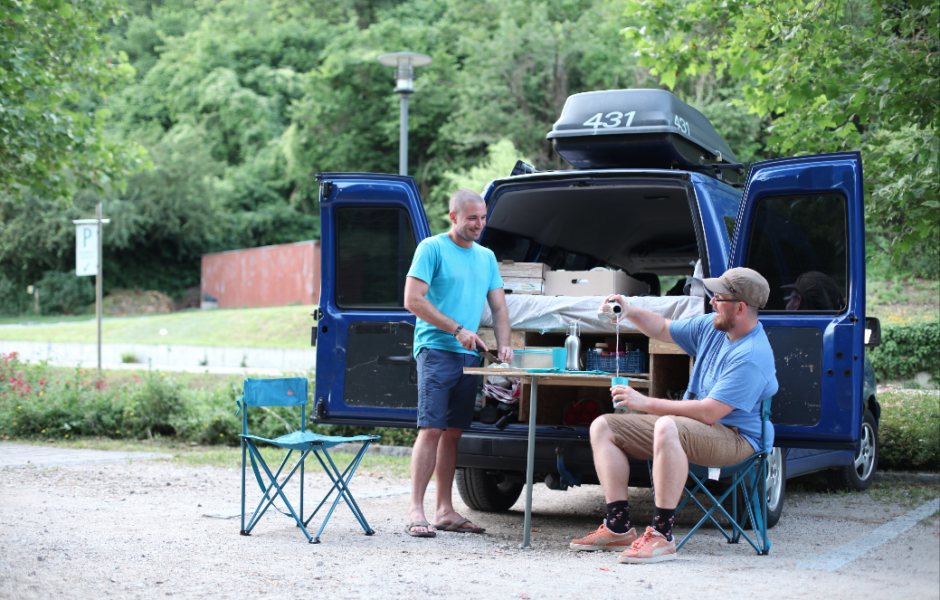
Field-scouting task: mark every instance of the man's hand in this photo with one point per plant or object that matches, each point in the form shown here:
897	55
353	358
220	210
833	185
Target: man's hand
651	324
505	354
470	340
624	395
619	300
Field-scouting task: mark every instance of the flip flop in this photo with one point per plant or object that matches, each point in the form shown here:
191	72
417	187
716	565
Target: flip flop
425	534
457	527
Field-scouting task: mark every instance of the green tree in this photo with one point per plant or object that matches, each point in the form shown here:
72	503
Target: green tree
851	75
52	57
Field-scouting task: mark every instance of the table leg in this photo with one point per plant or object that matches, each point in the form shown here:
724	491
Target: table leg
530	463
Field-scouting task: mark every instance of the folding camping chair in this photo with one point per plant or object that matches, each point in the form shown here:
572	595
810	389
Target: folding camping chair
748	480
293	392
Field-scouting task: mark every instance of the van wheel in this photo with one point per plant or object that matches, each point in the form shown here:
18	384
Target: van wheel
776	485
776	491
859	475
487	492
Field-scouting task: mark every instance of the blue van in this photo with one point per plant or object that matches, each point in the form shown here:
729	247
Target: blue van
655	192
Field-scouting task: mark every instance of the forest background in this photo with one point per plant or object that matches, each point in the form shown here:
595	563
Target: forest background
202	124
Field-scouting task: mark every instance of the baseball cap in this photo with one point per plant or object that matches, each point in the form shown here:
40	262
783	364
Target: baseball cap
746	285
819	291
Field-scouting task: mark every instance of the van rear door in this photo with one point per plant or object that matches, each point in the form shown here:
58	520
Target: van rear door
370	226
801	225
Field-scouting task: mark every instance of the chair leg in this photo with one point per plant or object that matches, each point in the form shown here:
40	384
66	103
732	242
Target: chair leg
265	489
350	500
279	491
244	450
340	485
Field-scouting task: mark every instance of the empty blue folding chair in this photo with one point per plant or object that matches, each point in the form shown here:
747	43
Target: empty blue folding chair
747	480
293	392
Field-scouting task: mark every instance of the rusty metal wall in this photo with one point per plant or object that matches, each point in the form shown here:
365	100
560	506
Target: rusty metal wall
268	276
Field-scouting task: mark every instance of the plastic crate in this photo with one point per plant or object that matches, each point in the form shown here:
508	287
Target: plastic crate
630	362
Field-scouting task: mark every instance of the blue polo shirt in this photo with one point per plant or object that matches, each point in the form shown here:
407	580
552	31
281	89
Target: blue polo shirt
458	281
740	374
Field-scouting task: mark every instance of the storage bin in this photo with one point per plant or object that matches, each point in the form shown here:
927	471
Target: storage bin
532	359
630	362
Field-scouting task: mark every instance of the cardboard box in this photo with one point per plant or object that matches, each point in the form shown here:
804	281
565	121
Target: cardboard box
523	278
516	339
592	283
508	268
524	285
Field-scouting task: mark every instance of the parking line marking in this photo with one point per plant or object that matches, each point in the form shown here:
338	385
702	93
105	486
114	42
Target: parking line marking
842	555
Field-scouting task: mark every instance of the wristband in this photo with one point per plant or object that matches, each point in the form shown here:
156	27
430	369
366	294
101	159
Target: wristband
459	327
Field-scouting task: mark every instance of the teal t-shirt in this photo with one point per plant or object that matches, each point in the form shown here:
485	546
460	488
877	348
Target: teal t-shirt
458	281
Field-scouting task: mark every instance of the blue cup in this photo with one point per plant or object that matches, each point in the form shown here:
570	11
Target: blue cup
619	381
559	358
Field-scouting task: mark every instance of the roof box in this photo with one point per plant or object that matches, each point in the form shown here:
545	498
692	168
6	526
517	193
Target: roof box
640	129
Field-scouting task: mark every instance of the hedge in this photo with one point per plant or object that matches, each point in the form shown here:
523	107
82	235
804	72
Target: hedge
909	430
907	349
38	402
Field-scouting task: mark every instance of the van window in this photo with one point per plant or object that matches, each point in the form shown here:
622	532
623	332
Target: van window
800	245
374	248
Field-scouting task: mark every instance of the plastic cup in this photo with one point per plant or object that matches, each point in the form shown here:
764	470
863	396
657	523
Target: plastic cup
621	381
559	358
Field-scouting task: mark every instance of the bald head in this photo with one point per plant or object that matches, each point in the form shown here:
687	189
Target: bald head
461	199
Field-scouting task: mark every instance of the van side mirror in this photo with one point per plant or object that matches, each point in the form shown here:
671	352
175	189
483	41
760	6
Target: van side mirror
872	332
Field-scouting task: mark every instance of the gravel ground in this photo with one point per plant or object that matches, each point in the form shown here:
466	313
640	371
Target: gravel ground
139	530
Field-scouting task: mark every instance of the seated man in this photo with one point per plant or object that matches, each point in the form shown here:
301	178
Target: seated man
734	371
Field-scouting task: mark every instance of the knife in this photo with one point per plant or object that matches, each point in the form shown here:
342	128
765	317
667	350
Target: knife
487	355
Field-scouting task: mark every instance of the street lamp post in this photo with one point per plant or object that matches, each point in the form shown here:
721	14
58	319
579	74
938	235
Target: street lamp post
404	63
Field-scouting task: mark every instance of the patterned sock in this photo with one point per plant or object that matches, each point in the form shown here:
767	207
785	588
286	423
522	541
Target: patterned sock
663	518
618	516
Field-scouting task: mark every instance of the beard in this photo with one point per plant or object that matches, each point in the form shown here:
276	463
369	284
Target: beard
722	323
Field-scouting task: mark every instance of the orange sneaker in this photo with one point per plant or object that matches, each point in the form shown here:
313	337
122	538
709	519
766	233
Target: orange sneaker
651	547
604	539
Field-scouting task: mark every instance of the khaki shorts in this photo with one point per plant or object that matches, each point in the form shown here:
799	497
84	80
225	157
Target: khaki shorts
706	445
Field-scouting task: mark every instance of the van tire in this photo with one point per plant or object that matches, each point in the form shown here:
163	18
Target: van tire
486	491
776	491
860	474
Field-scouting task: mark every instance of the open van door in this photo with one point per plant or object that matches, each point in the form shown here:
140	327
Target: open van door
370	225
801	226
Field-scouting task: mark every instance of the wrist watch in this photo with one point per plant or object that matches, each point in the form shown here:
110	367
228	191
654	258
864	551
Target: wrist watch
459	327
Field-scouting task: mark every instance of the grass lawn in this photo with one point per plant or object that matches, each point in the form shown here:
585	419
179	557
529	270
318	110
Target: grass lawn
226	457
274	327
903	301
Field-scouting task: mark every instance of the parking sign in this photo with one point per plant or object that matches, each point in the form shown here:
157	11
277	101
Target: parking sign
86	249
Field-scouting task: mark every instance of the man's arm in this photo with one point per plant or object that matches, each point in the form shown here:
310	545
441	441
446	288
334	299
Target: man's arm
497	301
651	324
417	304
707	410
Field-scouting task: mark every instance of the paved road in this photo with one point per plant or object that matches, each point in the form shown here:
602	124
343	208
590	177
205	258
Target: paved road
22	455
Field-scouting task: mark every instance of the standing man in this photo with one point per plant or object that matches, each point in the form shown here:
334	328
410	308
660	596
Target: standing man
717	424
449	280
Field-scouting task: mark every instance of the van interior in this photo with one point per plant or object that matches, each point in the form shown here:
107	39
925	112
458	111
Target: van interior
644	228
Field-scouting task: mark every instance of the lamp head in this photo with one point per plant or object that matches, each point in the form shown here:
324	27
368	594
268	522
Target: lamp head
404	63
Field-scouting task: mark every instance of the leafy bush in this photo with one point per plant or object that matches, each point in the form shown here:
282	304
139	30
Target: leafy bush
910	430
64	293
907	349
13	298
35	402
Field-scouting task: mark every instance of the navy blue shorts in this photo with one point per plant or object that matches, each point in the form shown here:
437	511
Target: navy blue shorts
445	395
